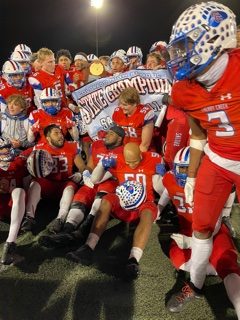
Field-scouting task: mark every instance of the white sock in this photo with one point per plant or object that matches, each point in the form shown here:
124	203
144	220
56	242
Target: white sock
95	206
136	253
75	216
201	251
34	196
92	240
65	202
17	213
232	285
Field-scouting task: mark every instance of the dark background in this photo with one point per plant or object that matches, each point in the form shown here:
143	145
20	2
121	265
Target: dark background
71	24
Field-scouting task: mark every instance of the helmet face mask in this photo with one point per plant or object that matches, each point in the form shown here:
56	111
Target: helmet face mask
181	163
203	31
6	153
50	101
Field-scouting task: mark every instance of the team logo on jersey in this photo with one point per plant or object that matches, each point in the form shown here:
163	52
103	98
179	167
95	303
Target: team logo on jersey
226	96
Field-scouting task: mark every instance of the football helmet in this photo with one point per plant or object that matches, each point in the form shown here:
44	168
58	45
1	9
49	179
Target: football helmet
135	52
131	194
158	46
121	54
14	74
6	153
92	57
50	101
22	47
201	32
40	163
181	159
22	58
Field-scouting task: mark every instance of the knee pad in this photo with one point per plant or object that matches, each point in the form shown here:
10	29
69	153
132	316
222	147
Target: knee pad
79	205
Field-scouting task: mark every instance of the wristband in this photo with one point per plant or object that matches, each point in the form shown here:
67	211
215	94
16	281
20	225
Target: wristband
198	144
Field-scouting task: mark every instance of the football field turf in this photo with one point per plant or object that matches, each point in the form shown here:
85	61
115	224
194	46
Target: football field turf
46	286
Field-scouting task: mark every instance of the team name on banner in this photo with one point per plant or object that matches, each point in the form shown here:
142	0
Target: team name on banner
98	99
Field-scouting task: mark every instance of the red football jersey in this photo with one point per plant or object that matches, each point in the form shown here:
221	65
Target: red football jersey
176	194
134	123
63	159
13	177
64	119
99	151
217	109
143	173
41	80
27	92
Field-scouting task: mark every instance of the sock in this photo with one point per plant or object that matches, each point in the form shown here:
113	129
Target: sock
232	285
95	206
65	202
136	253
201	251
92	240
17	213
34	196
75	216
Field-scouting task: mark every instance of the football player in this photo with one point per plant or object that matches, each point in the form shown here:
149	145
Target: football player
136	166
135	56
89	195
136	118
13	171
23	59
50	75
15	83
62	182
118	62
203	60
14	124
223	260
51	112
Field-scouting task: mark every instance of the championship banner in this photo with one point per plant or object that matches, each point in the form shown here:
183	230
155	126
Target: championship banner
98	99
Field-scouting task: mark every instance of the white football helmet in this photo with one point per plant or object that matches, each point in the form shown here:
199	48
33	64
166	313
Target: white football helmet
181	159
22	58
14	74
50	101
92	57
6	153
201	32
40	163
131	194
135	52
121	54
158	46
22	47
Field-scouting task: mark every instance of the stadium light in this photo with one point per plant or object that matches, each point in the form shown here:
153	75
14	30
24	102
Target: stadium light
97	4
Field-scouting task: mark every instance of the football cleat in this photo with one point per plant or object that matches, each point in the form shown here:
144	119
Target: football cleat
56	240
179	299
27	224
82	255
56	226
84	229
9	255
132	269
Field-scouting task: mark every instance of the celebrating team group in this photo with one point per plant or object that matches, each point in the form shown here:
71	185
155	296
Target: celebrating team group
188	161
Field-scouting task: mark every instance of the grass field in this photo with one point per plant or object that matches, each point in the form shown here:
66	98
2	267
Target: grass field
46	286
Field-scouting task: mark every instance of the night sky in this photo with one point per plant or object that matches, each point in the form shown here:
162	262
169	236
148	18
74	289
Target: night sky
71	24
